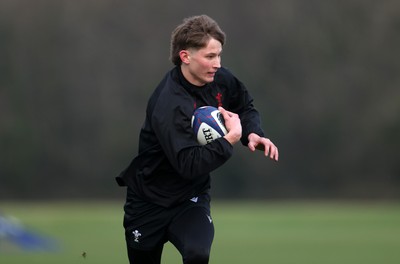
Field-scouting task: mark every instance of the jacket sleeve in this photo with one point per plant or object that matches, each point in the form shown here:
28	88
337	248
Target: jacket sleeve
241	102
171	122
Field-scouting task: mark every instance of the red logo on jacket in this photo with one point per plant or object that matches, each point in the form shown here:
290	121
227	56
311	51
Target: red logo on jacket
219	99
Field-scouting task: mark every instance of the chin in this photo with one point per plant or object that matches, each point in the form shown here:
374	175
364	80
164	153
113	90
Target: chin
209	79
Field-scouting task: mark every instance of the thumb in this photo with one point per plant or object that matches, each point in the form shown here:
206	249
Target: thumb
223	112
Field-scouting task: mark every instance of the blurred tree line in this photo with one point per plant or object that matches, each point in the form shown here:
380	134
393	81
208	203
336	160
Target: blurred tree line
75	77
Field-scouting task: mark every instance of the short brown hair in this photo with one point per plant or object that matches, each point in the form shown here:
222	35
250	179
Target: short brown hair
194	32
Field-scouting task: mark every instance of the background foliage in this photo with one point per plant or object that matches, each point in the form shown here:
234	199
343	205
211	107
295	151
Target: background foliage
75	77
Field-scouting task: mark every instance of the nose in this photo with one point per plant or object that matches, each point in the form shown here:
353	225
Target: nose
217	62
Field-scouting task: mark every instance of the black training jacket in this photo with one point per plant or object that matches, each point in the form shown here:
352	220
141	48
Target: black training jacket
171	166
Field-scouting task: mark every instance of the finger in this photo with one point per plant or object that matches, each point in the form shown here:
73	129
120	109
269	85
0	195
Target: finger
251	146
267	150
274	154
277	155
229	113
224	112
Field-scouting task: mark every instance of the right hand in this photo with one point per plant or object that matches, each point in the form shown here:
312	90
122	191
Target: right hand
233	125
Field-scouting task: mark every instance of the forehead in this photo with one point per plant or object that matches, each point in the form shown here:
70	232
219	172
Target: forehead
212	46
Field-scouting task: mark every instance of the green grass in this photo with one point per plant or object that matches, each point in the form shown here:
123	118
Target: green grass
246	232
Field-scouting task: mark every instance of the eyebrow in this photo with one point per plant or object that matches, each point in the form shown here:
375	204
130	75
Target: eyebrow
214	53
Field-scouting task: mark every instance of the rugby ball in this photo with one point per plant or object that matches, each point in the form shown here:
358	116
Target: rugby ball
208	124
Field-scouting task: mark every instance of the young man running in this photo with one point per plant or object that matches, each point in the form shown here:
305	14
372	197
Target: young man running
168	182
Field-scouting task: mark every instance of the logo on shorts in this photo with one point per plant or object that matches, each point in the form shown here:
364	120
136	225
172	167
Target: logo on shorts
209	218
137	235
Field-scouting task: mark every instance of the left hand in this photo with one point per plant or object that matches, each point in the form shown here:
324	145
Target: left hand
262	143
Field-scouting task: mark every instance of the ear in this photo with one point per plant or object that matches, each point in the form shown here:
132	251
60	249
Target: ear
185	56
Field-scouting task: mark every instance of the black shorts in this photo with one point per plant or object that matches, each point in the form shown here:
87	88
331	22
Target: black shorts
146	224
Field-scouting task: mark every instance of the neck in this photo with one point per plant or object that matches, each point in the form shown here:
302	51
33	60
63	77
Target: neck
189	77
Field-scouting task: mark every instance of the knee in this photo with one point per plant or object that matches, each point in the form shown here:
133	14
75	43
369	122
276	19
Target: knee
196	256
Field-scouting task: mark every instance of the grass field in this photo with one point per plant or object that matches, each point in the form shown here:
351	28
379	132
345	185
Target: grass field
246	232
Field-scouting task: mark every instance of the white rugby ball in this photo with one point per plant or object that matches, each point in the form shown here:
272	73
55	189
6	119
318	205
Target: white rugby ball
208	124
